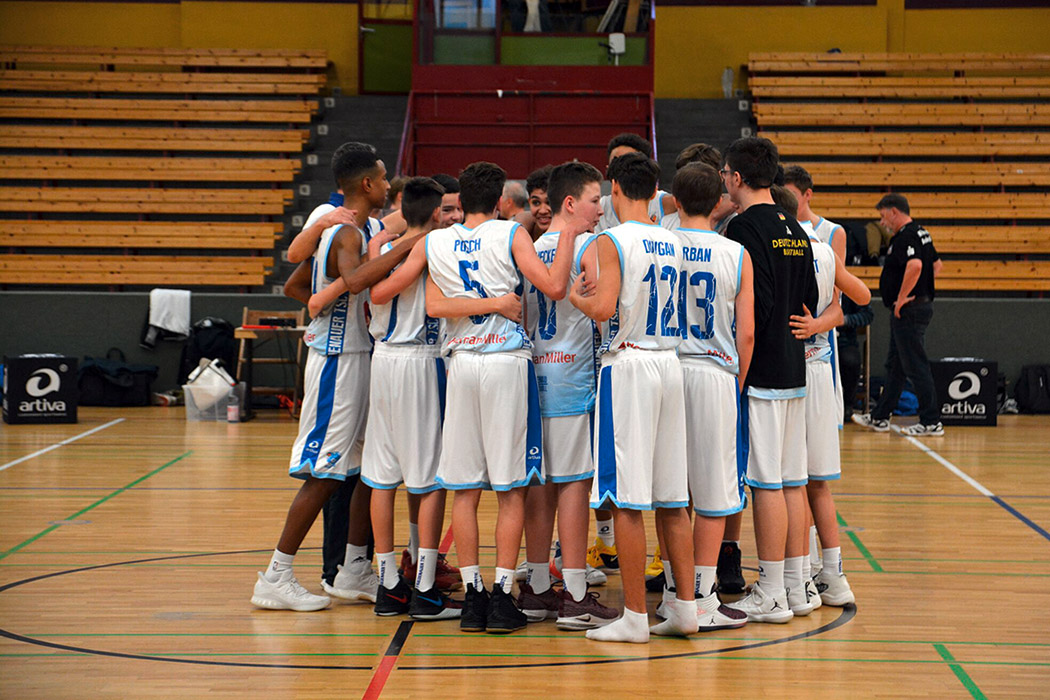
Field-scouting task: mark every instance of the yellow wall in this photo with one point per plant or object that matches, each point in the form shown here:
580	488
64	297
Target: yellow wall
90	23
1018	30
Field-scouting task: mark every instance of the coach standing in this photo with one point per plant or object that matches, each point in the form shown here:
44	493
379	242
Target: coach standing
907	289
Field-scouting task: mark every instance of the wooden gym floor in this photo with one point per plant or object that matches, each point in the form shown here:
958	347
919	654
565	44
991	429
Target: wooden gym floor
129	545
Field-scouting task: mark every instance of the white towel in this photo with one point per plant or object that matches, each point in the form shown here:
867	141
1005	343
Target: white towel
169	309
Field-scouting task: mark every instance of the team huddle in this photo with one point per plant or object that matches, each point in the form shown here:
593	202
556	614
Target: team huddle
638	351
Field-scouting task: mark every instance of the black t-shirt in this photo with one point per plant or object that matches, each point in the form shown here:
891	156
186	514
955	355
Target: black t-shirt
911	242
784	281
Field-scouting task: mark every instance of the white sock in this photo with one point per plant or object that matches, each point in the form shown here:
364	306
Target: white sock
668	575
575	583
771	576
471	576
631	627
814	547
703	580
355	553
606	533
681	619
736	542
505	579
387	569
833	560
279	563
413	542
807	569
793	572
427	569
538	576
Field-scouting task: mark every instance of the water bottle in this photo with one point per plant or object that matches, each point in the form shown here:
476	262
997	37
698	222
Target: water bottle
233	408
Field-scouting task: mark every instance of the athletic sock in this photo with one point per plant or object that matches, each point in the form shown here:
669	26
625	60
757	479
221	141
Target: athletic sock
668	574
736	542
538	576
606	533
575	582
703	580
631	627
771	576
814	547
793	572
833	560
505	579
354	553
413	542
807	569
471	577
681	619
387	569
279	563
427	569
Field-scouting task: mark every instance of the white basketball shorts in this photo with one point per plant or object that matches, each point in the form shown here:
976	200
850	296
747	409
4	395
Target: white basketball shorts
567	442
776	442
823	413
714	452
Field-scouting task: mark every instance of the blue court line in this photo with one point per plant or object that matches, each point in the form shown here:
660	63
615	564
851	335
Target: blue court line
1022	517
936	495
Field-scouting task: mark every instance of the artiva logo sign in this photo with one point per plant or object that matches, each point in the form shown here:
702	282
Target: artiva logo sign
963	386
40	384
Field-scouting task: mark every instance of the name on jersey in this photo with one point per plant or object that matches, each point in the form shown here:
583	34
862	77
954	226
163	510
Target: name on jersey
546	256
489	339
554	357
658	247
692	254
791	246
337	325
468	246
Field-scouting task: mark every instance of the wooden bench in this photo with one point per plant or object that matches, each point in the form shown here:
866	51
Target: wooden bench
152	138
899	87
261	111
138	234
144	201
182	57
181	270
907	114
928	206
796	144
980	275
148	169
924	174
162	83
862	62
991	240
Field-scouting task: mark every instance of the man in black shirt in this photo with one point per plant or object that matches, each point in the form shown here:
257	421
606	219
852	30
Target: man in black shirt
772	401
907	287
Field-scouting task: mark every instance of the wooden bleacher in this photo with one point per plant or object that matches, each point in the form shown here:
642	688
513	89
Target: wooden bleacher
966	137
189	151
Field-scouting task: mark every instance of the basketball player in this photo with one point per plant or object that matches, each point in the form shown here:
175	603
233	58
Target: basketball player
539	203
451	209
772	401
799	182
564	357
335	396
719	330
661	203
639	441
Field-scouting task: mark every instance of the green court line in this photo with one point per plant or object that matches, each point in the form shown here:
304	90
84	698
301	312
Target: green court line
963	677
97	503
875	566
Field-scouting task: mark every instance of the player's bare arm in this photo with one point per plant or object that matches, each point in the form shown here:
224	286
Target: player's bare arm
745	317
305	242
441	306
601	305
298	285
395	223
807	325
553	281
389	287
851	285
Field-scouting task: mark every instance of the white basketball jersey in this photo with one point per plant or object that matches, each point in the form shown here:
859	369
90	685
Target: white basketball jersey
672	222
646	314
403	320
342	327
825	231
609	219
818	347
565	341
708	287
478	263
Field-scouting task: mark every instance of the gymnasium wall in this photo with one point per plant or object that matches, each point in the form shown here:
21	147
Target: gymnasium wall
694	43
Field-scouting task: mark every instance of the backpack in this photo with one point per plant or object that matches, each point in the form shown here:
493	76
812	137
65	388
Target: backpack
1032	389
210	338
113	381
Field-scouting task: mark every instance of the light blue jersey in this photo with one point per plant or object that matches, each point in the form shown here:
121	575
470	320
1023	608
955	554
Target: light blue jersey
565	341
475	264
708	287
341	327
403	320
820	347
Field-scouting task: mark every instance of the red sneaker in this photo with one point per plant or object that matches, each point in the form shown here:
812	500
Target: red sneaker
446	578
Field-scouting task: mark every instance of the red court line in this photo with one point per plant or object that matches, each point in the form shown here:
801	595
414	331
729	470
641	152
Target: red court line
446	542
386	664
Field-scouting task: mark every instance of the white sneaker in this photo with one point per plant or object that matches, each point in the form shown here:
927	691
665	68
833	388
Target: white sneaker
879	425
522	572
663	611
761	607
799	600
834	589
354	581
814	595
596	577
920	430
711	615
286	593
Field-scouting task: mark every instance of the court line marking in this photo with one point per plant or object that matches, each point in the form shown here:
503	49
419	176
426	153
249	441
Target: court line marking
386	664
97	503
60	444
978	486
959	672
872	562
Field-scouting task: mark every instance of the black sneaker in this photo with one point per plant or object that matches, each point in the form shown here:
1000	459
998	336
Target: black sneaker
656	583
730	577
433	605
475	610
503	613
393	601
